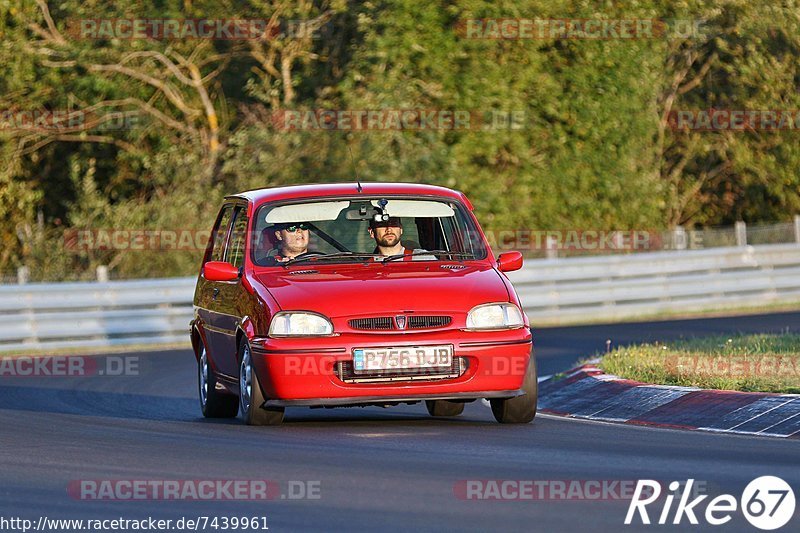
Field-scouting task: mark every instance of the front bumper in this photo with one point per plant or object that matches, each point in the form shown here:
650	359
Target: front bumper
367	400
308	371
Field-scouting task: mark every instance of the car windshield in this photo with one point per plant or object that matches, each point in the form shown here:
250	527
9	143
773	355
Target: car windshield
351	230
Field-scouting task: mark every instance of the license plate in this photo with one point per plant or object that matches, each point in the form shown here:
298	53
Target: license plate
402	358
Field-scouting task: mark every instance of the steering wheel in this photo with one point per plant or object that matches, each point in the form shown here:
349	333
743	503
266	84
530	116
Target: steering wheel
309	254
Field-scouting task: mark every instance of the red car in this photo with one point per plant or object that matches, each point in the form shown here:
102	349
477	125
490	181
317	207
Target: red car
351	295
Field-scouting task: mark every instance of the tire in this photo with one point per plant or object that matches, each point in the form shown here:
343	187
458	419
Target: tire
444	407
213	403
521	409
250	396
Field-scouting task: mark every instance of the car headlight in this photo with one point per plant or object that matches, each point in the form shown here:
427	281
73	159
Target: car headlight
495	316
298	323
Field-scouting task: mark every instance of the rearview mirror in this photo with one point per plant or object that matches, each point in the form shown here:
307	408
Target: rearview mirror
220	271
509	261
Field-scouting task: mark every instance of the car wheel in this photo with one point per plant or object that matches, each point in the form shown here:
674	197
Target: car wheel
521	409
250	396
444	407
213	403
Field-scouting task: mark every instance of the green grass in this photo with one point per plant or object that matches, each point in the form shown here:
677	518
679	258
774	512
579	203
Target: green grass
765	363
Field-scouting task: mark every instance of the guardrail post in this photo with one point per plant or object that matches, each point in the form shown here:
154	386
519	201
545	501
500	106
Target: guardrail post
551	247
102	273
23	275
797	228
679	238
741	234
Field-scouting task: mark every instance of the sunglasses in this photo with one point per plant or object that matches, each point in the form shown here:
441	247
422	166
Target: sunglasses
294	227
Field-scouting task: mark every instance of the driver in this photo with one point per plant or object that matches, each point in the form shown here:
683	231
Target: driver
292	240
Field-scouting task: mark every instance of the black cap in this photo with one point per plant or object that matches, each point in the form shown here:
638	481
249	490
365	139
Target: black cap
390	222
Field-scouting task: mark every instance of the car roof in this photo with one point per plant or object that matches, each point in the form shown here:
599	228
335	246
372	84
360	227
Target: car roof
293	192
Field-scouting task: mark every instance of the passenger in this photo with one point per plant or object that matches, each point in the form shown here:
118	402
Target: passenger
387	235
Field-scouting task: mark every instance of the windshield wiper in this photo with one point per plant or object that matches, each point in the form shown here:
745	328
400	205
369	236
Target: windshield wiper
315	256
462	255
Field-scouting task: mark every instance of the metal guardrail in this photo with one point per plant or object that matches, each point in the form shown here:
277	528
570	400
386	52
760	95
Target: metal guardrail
89	314
625	286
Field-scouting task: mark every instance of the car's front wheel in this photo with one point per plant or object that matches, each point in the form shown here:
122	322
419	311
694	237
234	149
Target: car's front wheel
521	409
250	396
444	407
213	403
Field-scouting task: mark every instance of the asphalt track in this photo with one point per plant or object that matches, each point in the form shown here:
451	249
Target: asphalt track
378	469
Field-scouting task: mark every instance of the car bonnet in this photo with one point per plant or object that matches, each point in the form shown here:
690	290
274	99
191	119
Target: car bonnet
345	290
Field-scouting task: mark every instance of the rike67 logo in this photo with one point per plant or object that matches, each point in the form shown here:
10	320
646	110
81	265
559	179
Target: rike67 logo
767	503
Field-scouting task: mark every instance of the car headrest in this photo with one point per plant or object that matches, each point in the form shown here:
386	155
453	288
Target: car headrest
267	240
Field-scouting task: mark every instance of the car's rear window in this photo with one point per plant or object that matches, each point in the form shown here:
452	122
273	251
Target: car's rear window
340	227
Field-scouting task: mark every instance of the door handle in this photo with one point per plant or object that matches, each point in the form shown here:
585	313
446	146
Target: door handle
214	293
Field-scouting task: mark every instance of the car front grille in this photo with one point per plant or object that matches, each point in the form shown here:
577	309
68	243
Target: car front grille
420	322
345	372
379	323
387	323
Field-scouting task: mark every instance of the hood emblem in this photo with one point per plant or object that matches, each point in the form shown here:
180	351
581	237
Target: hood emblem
400	320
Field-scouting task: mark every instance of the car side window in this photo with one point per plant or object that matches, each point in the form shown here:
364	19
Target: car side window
235	254
220	233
